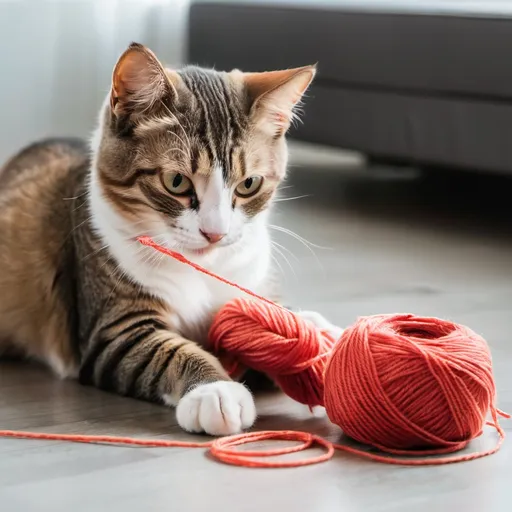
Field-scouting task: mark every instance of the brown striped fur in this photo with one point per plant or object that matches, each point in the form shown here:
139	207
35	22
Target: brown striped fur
65	298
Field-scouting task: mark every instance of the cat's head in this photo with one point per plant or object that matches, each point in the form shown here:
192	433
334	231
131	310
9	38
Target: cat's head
194	156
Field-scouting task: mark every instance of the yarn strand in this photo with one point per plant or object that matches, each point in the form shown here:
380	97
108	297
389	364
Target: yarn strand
224	449
149	242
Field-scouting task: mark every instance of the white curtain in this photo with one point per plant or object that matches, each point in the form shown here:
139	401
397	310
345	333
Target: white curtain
57	59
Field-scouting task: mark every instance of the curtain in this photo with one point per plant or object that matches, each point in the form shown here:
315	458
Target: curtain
57	59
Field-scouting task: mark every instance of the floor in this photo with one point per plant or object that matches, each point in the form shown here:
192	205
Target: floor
391	240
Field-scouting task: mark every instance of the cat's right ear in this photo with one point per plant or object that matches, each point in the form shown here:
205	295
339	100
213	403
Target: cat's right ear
139	82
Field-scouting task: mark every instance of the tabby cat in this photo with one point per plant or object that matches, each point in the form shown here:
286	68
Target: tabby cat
191	158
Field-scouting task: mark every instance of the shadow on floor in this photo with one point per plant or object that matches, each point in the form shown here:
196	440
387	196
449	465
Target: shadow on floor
447	200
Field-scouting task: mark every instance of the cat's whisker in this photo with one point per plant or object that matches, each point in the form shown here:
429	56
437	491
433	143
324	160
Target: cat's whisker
76	208
96	251
107	260
144	255
252	152
173	116
151	260
79	225
147	222
148	258
278	251
123	274
276	261
282	199
284	248
75	197
301	239
186	155
155	258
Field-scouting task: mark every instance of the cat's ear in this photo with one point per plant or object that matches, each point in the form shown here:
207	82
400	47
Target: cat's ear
275	95
139	82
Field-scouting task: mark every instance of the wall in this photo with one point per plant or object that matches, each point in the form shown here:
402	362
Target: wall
57	59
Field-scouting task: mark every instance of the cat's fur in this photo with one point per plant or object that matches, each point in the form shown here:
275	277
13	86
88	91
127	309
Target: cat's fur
77	290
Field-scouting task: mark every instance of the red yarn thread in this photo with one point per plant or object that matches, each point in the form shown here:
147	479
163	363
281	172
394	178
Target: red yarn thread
223	449
406	385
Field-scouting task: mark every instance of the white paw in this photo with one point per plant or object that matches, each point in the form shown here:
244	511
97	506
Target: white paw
218	408
321	322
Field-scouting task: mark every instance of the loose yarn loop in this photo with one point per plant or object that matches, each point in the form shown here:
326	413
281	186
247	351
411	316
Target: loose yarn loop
298	354
223	449
404	384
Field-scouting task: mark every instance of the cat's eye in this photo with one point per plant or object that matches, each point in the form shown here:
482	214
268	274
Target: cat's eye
177	183
249	187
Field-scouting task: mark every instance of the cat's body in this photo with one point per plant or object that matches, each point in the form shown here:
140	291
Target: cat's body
192	158
59	285
38	316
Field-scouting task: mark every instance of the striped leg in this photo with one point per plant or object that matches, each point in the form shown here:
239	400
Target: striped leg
137	355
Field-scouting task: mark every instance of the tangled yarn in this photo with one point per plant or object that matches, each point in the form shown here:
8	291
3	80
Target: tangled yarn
404	384
274	341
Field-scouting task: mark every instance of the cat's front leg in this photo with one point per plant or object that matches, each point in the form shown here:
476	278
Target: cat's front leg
138	356
217	408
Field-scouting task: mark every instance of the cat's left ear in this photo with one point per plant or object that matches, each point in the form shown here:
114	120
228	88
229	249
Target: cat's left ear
275	95
139	82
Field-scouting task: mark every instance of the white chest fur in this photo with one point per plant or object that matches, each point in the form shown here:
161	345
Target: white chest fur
194	297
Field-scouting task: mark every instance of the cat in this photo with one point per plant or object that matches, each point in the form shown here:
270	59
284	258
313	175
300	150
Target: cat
192	158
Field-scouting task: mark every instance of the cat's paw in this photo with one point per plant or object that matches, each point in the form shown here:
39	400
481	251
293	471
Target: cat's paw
321	322
218	408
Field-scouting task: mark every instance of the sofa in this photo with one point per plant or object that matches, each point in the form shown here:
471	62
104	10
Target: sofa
423	83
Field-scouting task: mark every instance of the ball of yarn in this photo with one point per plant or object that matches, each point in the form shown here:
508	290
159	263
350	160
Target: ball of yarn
402	382
277	342
396	382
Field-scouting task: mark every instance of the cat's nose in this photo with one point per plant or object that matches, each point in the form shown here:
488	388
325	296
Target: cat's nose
213	238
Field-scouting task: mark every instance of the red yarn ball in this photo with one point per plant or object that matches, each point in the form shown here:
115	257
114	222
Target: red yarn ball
396	382
274	341
402	382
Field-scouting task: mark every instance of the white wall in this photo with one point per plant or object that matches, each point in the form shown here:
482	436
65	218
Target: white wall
57	59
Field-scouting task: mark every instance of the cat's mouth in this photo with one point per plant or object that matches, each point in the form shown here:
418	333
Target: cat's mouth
202	251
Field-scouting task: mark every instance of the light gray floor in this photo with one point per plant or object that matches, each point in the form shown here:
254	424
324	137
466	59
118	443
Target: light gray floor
395	242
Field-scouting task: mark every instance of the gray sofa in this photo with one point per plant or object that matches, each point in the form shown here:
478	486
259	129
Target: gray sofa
417	82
